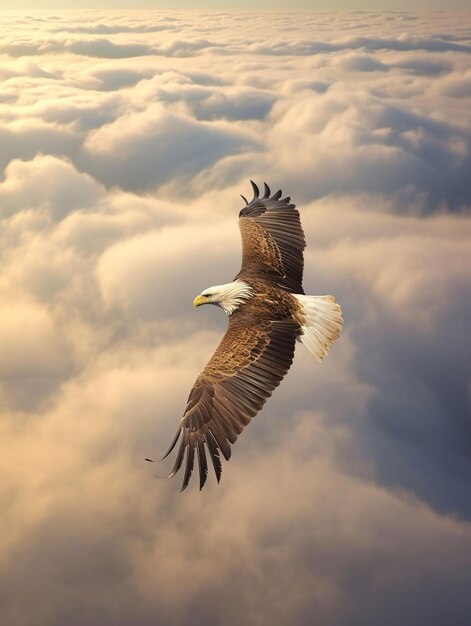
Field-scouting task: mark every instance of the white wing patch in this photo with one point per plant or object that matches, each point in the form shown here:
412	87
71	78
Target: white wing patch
323	323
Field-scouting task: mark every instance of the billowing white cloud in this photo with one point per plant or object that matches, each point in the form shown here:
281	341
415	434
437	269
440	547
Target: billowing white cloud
47	182
125	139
133	274
142	150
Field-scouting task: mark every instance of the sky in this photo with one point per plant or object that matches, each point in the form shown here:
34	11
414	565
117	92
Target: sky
126	138
252	5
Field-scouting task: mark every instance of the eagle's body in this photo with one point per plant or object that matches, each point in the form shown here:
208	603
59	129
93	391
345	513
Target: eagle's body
267	312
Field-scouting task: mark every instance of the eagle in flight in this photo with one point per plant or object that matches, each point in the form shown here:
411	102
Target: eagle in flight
267	312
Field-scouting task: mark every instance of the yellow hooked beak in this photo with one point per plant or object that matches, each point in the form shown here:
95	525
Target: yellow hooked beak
198	301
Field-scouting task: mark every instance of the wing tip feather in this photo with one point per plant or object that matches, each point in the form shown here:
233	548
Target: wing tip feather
203	464
256	191
172	445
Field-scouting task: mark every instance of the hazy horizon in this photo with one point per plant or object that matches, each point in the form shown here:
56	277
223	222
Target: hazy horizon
242	5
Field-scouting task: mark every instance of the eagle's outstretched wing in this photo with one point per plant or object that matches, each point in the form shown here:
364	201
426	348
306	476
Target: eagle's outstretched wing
248	364
272	239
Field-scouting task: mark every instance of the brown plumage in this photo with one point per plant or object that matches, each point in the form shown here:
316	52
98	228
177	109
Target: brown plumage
266	318
272	239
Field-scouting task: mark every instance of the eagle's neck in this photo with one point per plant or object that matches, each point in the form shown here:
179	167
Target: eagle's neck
232	295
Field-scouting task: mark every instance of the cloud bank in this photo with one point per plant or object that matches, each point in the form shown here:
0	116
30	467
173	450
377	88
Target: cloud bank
125	141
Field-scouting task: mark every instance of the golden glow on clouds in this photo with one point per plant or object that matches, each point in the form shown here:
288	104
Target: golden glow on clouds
125	140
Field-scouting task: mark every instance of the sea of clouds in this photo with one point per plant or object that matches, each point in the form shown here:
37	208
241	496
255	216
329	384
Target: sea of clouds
125	141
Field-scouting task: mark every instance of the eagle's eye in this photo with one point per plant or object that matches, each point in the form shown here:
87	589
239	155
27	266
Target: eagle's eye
206	295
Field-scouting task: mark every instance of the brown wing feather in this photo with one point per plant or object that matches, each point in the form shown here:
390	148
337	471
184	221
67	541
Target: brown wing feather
248	364
272	238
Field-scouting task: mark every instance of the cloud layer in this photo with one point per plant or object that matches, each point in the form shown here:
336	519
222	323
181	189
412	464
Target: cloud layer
125	141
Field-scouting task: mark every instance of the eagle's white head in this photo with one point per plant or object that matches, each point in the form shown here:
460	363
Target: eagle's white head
229	297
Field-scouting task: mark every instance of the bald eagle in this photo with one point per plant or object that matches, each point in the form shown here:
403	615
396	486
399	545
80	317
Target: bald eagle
267	312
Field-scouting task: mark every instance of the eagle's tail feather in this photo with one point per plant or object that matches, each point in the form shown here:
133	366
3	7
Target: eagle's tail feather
323	323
